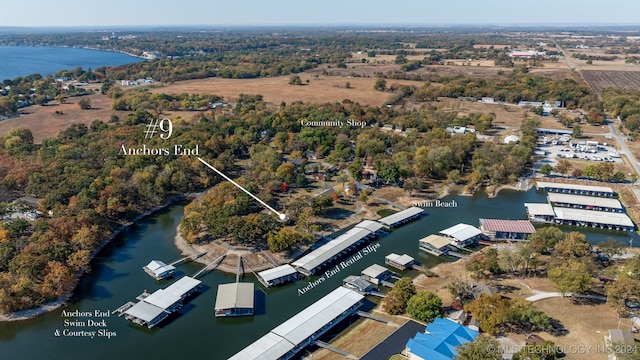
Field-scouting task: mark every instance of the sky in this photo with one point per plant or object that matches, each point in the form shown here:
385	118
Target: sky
323	12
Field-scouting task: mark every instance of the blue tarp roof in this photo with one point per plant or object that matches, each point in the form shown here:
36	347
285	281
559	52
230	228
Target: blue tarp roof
440	339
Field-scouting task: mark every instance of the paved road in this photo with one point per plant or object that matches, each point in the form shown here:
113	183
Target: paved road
567	59
395	342
624	149
547	295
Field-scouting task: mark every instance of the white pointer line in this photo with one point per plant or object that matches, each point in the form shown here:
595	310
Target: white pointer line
280	215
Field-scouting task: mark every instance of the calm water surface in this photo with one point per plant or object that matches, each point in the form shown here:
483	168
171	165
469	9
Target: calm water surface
25	60
117	277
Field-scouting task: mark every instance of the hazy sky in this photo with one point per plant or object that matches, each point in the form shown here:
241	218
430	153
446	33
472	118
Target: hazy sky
329	12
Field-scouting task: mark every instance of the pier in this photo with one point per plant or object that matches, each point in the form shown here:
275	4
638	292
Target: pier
324	345
206	267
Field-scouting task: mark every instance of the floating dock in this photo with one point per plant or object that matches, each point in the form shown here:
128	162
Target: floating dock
435	245
235	299
603	191
506	229
312	262
585	202
402	217
155	307
278	275
159	270
304	328
401	262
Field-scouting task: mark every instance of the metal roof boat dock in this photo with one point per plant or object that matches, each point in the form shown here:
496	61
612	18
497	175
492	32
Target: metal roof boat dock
462	235
577	189
304	328
585	202
159	270
155	307
592	218
435	244
507	229
402	217
401	262
278	275
311	262
235	299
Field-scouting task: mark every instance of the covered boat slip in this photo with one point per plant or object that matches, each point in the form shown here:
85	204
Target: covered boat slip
542	212
235	299
311	262
435	244
278	275
462	235
159	270
592	218
287	339
585	202
506	229
155	307
402	217
577	189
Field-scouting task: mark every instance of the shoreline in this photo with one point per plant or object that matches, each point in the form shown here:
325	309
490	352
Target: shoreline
50	306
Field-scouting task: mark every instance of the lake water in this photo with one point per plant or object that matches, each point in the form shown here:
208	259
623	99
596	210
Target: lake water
117	277
23	60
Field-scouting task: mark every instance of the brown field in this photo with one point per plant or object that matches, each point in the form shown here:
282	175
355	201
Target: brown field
587	324
320	89
43	122
599	80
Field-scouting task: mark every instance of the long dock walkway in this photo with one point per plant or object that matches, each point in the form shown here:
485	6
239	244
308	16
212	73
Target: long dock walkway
324	345
206	267
239	269
458	255
190	258
372	317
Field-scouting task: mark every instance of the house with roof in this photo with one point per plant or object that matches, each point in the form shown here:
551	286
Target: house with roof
439	340
462	235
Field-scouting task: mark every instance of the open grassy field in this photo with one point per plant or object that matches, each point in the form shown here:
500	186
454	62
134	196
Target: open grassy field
44	123
320	89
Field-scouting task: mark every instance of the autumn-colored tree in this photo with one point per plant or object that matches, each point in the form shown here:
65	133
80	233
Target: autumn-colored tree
571	276
397	298
58	279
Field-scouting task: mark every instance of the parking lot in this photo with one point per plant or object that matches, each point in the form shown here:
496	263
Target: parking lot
554	148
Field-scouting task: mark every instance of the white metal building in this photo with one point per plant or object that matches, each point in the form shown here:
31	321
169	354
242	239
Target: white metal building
278	275
284	341
401	217
159	270
462	235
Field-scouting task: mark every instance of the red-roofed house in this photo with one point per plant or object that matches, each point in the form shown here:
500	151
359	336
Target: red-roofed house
507	229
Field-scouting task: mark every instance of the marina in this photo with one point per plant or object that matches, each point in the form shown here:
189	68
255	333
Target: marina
116	271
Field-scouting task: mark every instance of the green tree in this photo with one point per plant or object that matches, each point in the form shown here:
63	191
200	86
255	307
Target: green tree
610	247
321	203
356	169
622	291
397	298
545	238
571	276
424	306
483	347
461	290
546	169
576	132
490	310
85	104
412	184
286	238
295	80
380	85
